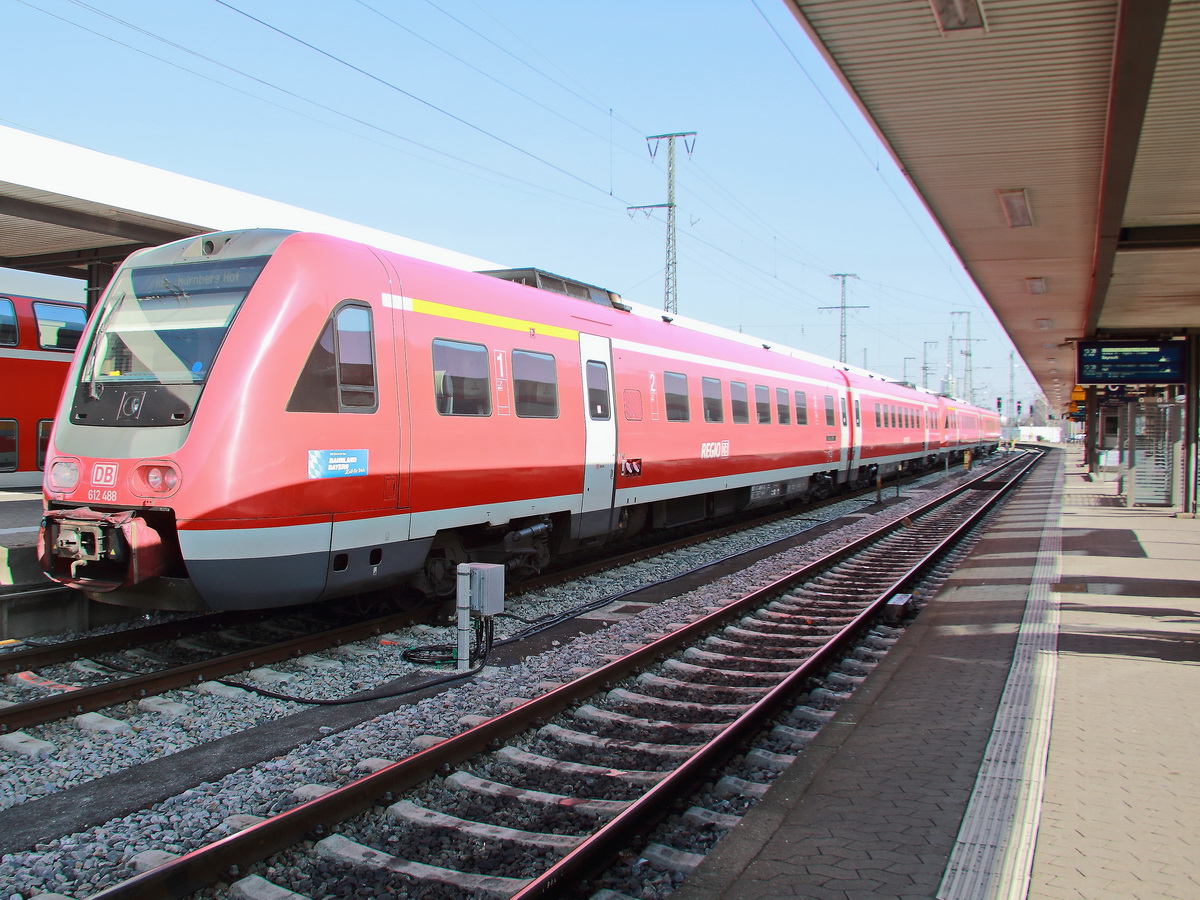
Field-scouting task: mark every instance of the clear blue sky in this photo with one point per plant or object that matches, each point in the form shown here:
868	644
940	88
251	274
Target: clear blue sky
515	131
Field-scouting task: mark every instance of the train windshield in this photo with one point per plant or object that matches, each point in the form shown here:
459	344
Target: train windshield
164	324
159	330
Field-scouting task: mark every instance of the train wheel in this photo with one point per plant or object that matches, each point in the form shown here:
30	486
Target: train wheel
440	575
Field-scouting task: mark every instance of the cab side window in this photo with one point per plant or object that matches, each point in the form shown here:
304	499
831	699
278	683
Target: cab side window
339	374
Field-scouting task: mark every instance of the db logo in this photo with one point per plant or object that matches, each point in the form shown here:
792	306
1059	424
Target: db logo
104	474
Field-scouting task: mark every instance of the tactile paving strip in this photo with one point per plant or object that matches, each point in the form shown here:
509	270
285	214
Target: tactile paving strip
993	854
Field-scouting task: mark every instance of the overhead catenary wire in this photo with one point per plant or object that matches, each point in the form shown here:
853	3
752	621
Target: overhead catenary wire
954	271
415	98
437	152
746	265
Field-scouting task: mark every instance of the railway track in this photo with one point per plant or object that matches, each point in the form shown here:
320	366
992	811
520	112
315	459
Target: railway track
117	686
538	799
69	775
112	683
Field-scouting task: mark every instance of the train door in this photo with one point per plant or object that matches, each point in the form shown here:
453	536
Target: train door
600	436
844	434
856	434
847	435
393	309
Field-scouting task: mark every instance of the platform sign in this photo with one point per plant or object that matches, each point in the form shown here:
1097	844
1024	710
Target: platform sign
1131	362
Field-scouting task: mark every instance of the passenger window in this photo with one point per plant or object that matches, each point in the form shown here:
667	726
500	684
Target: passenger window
339	374
8	323
739	402
762	403
878	417
535	384
783	410
8	445
830	415
631	399
59	327
461	379
597	390
675	389
714	401
43	441
801	408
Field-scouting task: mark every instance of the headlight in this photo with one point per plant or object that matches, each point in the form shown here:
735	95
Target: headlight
64	476
155	478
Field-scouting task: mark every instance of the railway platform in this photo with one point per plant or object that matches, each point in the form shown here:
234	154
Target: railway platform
1032	734
20	513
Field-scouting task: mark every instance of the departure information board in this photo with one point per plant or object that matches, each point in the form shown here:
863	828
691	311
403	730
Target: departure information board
1131	362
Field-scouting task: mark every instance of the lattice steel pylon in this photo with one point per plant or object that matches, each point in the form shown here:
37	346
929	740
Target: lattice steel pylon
670	287
843	307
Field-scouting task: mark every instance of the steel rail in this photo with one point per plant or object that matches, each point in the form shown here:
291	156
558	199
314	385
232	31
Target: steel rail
38	656
87	699
594	853
227	857
637	554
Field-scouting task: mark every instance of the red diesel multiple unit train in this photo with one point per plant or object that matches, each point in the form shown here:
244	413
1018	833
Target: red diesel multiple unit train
263	417
37	338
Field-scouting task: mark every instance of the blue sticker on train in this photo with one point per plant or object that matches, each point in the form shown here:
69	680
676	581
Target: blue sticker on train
336	463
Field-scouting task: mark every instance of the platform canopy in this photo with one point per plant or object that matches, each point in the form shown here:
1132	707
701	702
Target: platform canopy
68	211
1056	143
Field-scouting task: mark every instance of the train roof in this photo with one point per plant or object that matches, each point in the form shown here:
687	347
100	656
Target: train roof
580	290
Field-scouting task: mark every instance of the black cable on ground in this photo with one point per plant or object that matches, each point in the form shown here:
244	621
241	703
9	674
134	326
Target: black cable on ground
377	694
440	653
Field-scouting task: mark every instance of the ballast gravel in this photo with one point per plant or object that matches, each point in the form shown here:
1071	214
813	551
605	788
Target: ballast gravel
81	864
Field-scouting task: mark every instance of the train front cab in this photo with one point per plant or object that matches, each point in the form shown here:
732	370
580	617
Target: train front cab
209	414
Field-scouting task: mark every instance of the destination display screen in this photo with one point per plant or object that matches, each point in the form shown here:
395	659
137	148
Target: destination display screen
1131	362
183	280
